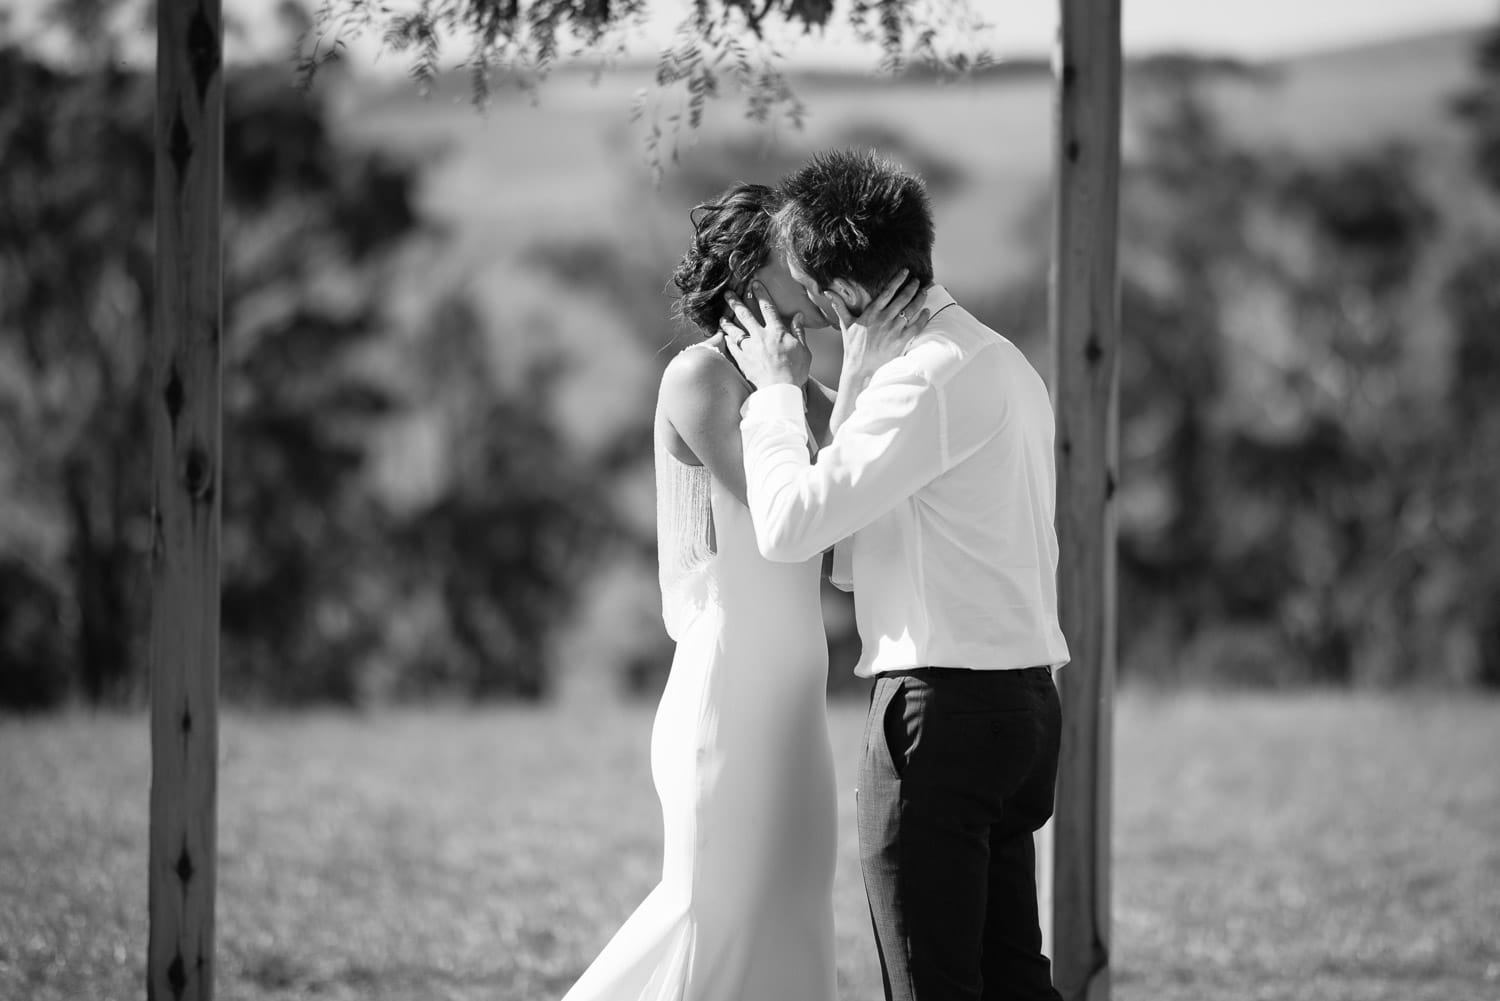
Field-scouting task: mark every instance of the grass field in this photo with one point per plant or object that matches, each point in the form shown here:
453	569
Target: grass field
1310	848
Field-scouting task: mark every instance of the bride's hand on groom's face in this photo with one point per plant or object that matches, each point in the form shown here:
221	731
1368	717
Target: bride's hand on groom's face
886	326
769	350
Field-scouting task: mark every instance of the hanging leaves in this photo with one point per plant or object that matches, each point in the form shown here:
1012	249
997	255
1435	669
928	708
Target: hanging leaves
718	40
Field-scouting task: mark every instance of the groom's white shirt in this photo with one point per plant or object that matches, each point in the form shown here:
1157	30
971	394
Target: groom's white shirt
943	483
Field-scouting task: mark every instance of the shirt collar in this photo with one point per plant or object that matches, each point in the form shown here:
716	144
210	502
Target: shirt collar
937	298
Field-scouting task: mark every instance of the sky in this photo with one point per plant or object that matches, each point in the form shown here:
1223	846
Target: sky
1251	28
1255	28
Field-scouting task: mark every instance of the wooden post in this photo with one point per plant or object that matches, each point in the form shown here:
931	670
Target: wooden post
1084	302
185	449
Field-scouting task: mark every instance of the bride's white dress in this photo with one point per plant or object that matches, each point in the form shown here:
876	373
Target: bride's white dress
742	763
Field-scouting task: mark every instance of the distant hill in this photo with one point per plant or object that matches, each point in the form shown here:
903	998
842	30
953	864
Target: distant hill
570	162
1343	98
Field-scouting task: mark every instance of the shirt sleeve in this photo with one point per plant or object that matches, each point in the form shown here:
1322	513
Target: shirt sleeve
892	445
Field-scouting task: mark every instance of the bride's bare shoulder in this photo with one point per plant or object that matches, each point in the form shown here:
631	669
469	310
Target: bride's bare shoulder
700	374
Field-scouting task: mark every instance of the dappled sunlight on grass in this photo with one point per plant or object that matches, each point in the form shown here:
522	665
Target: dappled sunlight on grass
1310	846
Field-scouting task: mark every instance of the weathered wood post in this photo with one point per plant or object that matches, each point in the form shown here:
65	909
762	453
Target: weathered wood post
1084	303
185	449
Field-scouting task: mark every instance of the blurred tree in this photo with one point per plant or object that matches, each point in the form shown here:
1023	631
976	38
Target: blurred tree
1360	549
1192	203
307	226
1276	451
1299	499
74	290
319	571
76	238
1187	211
1466	505
1479	106
505	537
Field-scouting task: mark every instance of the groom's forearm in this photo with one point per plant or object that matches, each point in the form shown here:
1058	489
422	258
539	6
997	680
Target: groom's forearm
886	451
777	456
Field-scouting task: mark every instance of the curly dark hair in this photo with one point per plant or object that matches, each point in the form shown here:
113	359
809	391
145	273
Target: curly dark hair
732	239
856	215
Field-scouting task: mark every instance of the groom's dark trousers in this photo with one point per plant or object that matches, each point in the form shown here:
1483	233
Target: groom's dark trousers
958	772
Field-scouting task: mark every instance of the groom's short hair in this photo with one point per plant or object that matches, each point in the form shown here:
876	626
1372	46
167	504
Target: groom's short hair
856	215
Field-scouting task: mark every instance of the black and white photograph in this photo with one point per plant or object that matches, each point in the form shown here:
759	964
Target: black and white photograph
749	500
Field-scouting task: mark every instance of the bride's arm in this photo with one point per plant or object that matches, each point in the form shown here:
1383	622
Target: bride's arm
821	404
852	382
820	408
701	394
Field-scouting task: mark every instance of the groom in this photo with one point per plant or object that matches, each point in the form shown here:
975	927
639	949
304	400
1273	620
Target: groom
943	481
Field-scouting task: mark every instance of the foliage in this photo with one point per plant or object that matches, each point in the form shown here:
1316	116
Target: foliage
1291	484
718	40
31	644
1479	107
1470	476
74	291
307	226
1472	293
504	543
321	573
78	241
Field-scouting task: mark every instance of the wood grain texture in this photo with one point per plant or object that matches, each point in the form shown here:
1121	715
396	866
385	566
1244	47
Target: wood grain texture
1084	308
185	455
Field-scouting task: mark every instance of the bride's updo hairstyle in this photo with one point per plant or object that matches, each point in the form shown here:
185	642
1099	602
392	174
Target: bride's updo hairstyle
732	239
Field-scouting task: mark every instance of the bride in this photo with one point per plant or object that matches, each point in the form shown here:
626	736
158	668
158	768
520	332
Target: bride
740	752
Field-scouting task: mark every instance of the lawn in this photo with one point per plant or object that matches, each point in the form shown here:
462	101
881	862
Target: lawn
1303	847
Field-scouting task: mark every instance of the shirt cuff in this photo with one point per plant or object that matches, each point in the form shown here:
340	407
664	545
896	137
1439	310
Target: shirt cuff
841	574
782	401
